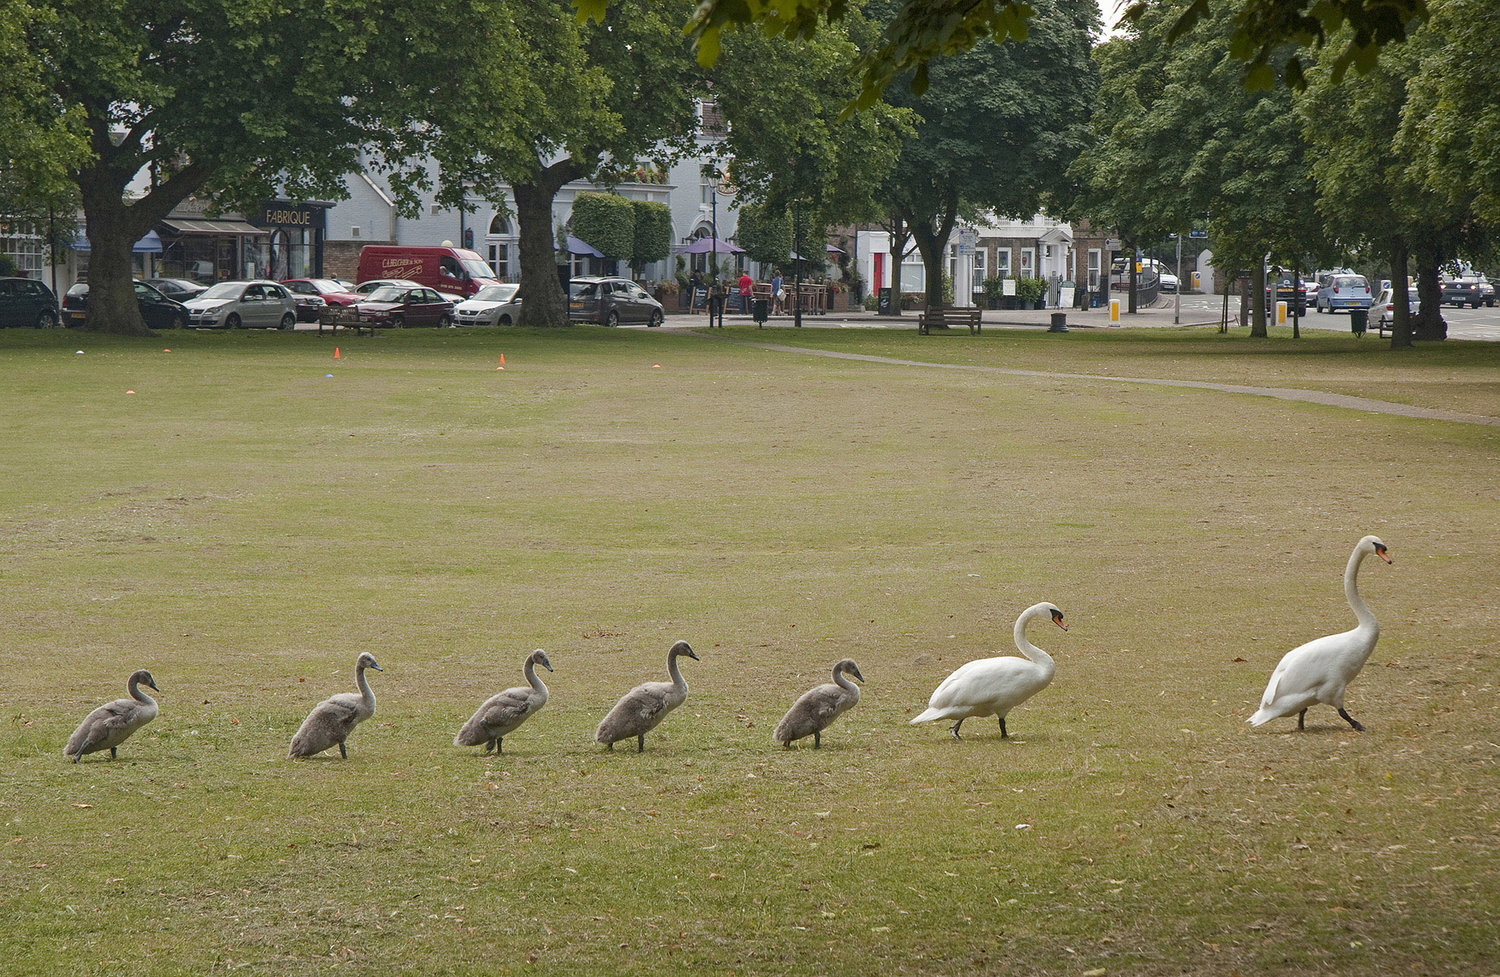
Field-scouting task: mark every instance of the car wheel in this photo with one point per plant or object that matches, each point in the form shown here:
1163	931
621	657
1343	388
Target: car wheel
179	321
1474	305
288	321
655	319
445	322
398	322
1320	308
613	319
233	322
47	319
504	320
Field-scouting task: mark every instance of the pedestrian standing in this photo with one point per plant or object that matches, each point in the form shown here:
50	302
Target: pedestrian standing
776	292
747	284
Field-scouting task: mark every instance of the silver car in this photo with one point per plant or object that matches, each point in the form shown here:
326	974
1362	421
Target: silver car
243	305
493	305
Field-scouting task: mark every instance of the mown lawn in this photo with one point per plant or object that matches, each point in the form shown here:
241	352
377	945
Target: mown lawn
257	513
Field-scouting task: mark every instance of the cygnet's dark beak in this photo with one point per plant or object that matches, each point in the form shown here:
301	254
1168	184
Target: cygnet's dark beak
376	667
152	683
546	666
855	673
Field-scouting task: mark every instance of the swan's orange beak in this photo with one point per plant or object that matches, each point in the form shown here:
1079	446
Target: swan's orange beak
1057	619
1380	552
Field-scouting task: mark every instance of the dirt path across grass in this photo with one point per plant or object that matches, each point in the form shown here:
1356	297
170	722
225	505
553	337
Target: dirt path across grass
1280	393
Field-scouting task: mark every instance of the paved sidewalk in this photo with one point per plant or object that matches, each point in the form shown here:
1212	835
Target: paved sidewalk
991	318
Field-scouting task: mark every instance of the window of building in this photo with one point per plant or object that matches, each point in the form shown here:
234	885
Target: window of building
978	266
1028	262
22	248
1002	262
913	272
1095	264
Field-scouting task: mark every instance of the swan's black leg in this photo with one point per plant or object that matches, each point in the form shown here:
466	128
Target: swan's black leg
112	754
488	746
954	729
640	743
1004	734
1350	720
343	752
78	756
1301	719
499	745
817	740
610	746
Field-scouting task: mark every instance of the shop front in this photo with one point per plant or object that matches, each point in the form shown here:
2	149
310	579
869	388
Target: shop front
295	245
211	249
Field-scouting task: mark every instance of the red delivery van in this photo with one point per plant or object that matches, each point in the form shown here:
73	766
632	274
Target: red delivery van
452	271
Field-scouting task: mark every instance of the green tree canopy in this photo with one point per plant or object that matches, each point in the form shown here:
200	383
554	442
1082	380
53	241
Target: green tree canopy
653	233
765	233
607	221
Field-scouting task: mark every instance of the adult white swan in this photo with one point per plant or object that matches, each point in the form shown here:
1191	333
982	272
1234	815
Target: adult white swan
995	686
1320	670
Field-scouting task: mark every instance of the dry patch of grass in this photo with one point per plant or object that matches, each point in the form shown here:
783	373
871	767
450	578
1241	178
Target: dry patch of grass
244	525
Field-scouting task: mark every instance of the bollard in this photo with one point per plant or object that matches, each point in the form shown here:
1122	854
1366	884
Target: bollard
1281	313
1114	311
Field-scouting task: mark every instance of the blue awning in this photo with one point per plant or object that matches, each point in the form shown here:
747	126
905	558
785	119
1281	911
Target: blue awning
150	244
583	247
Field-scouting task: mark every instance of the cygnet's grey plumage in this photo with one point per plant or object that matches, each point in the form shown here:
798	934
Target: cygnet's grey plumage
333	719
112	723
817	708
504	712
646	705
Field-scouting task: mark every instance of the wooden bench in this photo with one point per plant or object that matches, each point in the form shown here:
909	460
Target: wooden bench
342	317
931	318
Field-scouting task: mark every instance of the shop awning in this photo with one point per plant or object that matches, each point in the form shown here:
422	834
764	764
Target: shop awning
150	244
214	227
575	246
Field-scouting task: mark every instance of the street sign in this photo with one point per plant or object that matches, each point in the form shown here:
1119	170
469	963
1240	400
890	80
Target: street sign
1111	244
968	239
1198	233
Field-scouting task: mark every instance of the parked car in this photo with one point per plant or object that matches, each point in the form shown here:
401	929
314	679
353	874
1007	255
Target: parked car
235	305
177	289
27	302
1340	293
1287	288
365	288
397	306
1383	311
493	305
159	311
611	301
326	291
1472	292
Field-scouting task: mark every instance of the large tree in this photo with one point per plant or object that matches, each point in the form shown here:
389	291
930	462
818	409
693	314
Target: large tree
998	129
236	101
610	91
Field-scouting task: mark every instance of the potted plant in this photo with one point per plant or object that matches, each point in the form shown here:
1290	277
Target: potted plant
993	289
1030	291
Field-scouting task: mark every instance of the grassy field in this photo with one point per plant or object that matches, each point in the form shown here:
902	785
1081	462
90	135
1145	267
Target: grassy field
256	513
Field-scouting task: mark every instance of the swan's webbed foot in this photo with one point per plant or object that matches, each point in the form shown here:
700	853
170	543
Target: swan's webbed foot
1302	719
1351	720
954	729
1004	733
640	743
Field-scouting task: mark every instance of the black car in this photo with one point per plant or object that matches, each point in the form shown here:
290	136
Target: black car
27	302
177	289
1472	292
159	311
611	301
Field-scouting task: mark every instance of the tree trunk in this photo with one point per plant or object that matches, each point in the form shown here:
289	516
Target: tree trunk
900	234
545	303
1428	323
1258	301
1401	325
932	233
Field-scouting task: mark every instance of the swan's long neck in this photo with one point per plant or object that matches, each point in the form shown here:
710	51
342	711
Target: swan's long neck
676	673
1351	591
532	678
137	693
842	680
1026	647
364	687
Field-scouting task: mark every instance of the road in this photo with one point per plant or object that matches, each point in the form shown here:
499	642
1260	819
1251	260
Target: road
1481	323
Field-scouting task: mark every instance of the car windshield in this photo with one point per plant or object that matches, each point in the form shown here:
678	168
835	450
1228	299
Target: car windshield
475	268
224	290
496	293
582	290
388	293
326	285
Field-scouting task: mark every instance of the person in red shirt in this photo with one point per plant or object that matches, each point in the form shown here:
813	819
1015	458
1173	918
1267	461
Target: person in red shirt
745	284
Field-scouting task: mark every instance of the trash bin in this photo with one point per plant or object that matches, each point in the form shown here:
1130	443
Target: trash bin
760	310
1359	321
1059	322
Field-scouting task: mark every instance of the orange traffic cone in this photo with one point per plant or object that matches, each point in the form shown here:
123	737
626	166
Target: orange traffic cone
335	352
502	362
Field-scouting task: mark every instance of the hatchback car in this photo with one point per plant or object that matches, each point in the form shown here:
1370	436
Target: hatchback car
397	306
1383	312
312	294
611	301
493	305
237	305
159	311
178	289
27	302
1472	292
1341	293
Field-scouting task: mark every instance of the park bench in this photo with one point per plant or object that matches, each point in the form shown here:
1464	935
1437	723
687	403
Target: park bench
938	318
